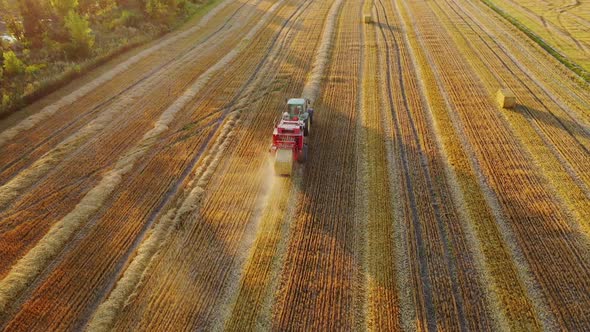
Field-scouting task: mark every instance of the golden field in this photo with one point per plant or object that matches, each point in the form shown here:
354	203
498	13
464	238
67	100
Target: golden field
141	196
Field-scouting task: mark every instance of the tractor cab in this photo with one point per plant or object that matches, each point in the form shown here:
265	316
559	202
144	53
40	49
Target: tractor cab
296	107
299	110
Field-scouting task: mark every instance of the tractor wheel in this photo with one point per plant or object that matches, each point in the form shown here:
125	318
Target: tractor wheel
302	157
306	128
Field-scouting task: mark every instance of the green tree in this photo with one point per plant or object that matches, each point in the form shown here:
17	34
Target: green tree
155	8
15	27
10	14
96	7
63	7
81	37
161	9
12	64
33	14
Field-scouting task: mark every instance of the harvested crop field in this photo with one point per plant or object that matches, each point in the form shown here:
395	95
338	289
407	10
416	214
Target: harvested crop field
143	197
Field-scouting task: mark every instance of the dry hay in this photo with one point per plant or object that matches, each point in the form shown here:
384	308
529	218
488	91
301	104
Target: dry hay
28	267
505	98
312	85
105	315
103	318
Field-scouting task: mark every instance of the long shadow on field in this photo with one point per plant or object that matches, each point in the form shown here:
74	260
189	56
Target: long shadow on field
387	27
565	125
318	282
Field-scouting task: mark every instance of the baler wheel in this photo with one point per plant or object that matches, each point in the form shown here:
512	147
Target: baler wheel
302	157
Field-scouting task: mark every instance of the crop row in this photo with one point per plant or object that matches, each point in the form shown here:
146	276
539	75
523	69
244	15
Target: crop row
165	158
226	217
531	216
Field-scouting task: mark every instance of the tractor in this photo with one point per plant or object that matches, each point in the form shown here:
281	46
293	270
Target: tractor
299	110
289	139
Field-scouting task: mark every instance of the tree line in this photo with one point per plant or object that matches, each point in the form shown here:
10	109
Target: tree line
46	39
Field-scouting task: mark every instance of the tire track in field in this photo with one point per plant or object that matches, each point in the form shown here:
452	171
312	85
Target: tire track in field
27	268
553	30
492	200
508	295
386	307
414	129
361	288
427	294
477	221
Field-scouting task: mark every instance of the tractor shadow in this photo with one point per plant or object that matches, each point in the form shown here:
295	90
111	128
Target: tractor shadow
324	244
